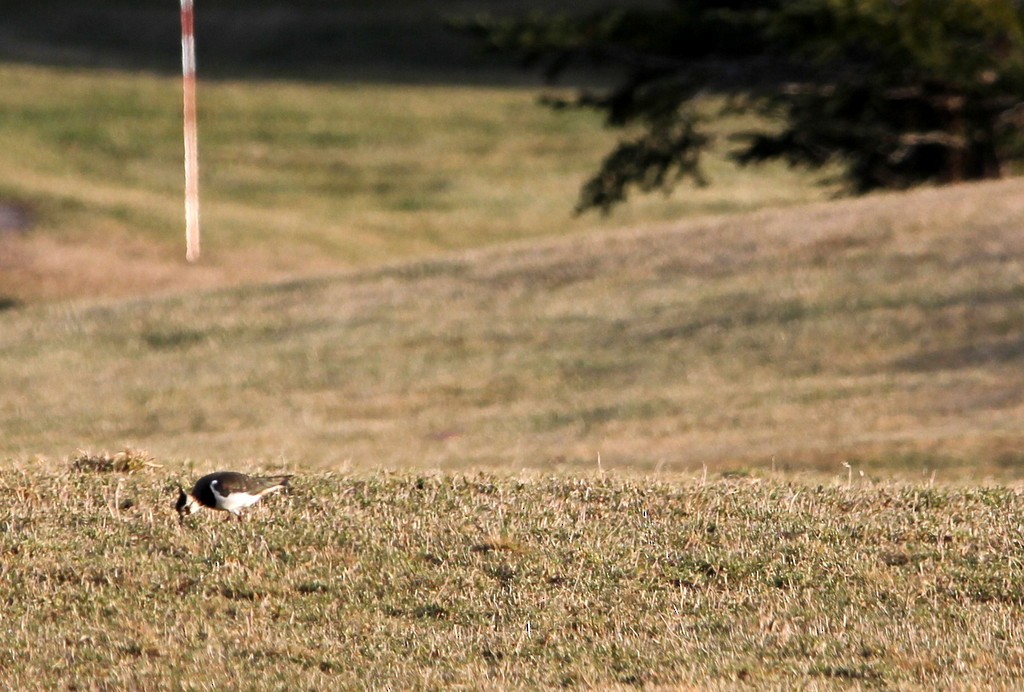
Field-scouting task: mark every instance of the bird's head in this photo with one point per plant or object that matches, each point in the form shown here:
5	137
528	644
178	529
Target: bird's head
185	505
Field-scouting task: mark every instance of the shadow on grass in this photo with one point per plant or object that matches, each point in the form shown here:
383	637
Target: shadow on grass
988	352
401	41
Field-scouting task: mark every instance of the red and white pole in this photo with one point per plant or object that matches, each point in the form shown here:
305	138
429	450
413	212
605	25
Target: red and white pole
188	73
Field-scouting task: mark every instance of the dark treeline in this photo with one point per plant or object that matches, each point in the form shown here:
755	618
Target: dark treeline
899	93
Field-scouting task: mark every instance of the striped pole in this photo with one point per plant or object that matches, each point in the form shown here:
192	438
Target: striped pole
188	73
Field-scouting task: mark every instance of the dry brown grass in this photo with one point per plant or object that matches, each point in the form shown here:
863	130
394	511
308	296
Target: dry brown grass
881	332
379	580
125	461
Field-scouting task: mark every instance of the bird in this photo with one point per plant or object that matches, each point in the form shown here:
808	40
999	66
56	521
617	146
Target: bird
228	491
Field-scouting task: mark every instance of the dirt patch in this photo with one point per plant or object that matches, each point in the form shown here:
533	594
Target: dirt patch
15	217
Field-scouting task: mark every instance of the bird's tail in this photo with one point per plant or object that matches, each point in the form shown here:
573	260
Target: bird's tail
275	483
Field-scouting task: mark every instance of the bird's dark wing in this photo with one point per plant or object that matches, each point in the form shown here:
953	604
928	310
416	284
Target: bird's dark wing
231	482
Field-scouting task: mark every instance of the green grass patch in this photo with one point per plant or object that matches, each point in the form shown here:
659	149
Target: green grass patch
299	177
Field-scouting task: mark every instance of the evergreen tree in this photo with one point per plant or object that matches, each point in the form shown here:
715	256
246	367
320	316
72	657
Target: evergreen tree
900	92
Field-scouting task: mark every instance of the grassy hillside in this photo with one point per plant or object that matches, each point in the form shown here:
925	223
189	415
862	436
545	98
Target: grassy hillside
738	436
422	582
882	332
297	178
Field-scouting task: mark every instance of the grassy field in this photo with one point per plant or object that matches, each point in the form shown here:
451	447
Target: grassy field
423	582
738	436
299	178
882	332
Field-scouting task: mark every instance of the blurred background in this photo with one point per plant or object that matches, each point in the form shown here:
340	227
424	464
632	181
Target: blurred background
332	134
392	40
393	273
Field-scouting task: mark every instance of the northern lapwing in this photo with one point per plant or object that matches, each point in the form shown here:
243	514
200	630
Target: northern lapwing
227	491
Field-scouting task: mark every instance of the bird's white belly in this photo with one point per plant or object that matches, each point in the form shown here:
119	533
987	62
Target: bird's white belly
234	501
